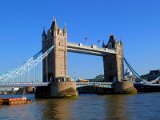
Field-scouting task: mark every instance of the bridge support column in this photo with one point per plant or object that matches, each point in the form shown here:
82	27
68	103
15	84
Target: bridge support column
113	63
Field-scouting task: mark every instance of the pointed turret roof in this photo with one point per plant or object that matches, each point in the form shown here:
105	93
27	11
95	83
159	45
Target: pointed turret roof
65	29
44	32
54	24
103	44
112	38
112	42
121	41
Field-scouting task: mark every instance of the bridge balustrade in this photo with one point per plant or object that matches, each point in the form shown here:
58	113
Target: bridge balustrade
19	84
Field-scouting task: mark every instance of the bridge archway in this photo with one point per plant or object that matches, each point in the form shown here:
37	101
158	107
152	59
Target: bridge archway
84	66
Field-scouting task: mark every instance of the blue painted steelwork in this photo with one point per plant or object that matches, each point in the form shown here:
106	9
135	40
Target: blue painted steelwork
96	84
23	84
26	66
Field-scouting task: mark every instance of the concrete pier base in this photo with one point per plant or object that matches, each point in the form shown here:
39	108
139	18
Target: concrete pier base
57	90
124	87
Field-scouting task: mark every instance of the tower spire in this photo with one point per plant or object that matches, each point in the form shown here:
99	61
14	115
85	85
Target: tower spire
103	44
64	29
44	35
54	25
44	32
121	41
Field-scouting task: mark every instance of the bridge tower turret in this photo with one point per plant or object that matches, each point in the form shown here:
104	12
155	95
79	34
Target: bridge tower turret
44	35
55	65
113	63
60	51
120	60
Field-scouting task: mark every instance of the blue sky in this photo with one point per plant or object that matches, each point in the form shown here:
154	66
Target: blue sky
136	22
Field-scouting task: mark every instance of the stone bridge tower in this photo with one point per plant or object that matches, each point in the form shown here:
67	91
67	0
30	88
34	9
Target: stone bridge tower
113	63
55	65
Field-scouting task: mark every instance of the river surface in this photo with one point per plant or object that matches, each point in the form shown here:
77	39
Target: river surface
144	106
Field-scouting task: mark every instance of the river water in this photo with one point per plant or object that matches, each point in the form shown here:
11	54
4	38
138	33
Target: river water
144	106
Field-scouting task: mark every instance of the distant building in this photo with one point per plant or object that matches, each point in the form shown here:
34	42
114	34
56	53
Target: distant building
98	78
82	80
128	75
15	89
153	74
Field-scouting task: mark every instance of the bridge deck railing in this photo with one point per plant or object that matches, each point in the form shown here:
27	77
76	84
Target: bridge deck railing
19	84
98	84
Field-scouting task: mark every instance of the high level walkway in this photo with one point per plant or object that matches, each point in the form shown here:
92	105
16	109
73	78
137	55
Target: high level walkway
93	50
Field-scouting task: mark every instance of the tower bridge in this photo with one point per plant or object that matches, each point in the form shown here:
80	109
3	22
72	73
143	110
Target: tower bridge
55	81
53	55
55	64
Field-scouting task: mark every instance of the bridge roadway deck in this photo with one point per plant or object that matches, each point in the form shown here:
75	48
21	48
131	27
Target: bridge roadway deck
79	84
92	50
23	84
34	84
